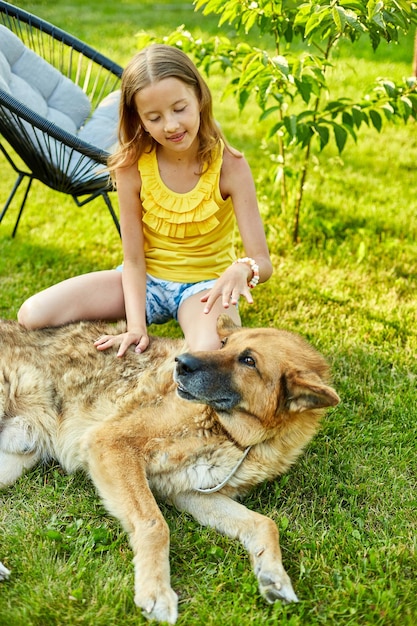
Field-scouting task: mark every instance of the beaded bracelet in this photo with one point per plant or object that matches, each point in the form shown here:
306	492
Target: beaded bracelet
255	270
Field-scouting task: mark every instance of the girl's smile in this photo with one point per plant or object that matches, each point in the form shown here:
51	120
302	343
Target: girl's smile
177	138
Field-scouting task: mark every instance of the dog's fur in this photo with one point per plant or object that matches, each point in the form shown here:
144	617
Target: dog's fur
139	430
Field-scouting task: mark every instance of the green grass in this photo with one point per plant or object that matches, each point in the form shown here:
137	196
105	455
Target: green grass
347	510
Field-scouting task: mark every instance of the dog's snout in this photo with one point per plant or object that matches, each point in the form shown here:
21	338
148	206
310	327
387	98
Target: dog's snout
187	363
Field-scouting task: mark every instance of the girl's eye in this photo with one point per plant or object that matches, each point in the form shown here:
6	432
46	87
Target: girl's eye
155	119
179	110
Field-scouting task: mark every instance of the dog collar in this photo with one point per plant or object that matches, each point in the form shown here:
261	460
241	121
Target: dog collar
228	477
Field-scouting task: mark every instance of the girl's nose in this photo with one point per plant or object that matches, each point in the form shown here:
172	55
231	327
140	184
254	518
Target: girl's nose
171	124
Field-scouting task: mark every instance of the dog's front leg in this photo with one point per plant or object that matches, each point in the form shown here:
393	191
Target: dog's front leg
117	469
19	449
256	532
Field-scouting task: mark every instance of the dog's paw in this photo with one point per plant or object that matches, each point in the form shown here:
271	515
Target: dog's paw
4	572
274	587
162	608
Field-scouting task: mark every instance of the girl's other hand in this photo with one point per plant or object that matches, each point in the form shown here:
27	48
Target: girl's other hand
124	341
232	284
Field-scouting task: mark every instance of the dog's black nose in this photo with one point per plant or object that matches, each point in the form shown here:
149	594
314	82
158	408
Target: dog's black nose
187	363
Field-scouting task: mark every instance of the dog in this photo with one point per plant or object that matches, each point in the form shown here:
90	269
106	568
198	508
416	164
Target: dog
198	430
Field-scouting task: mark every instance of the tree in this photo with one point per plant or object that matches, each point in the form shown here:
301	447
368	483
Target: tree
290	84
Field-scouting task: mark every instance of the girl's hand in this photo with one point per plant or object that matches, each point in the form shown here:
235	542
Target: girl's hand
232	284
124	340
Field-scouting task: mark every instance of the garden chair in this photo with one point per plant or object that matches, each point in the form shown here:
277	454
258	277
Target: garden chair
58	109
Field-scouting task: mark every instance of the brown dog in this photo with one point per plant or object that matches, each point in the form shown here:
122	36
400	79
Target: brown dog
197	429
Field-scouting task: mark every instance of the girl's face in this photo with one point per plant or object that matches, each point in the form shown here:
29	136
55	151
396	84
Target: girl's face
170	113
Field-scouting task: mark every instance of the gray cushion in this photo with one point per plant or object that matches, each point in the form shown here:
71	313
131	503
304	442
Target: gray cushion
33	81
101	129
29	78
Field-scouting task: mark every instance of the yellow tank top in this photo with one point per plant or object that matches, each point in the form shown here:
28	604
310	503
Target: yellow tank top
188	236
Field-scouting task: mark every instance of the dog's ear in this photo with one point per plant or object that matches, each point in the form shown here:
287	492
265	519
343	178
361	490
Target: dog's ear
225	325
306	391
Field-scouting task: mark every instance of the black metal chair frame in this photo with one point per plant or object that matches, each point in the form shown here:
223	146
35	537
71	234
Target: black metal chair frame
42	148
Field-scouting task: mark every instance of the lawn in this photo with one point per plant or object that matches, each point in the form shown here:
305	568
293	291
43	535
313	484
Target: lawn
347	512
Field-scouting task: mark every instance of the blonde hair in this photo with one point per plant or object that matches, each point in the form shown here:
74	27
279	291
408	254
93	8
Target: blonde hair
151	65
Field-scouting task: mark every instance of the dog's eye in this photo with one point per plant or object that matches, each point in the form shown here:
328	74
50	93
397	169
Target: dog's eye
223	342
248	360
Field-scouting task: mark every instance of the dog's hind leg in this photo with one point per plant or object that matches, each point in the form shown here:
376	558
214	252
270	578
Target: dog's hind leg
256	532
117	469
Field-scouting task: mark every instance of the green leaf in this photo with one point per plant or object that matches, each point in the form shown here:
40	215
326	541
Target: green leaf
282	64
250	20
290	122
340	135
413	99
304	88
357	115
407	107
347	119
354	23
276	128
389	87
376	119
244	96
314	21
339	18
388	110
267	112
323	133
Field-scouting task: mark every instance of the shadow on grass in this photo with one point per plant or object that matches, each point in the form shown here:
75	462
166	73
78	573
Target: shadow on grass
27	267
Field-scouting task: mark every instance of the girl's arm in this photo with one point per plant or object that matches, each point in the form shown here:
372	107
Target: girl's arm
134	265
237	182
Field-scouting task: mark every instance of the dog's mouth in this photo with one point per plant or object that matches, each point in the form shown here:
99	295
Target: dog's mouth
184	393
225	403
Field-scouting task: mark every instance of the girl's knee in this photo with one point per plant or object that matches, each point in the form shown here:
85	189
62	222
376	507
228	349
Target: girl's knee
27	315
204	344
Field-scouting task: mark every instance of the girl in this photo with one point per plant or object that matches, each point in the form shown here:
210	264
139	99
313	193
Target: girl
180	188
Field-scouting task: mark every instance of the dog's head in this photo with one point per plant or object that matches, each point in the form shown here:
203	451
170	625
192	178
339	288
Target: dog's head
257	380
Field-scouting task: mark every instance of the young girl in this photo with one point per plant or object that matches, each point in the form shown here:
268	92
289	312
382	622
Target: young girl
180	189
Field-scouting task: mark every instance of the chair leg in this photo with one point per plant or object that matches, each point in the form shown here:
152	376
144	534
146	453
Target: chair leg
106	199
110	207
11	196
22	206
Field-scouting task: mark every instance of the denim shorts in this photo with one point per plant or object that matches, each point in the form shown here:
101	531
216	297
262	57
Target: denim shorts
164	297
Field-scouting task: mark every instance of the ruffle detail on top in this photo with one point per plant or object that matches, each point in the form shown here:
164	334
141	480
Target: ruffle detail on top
179	215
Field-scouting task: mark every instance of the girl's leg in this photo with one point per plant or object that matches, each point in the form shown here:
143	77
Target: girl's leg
199	328
94	296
